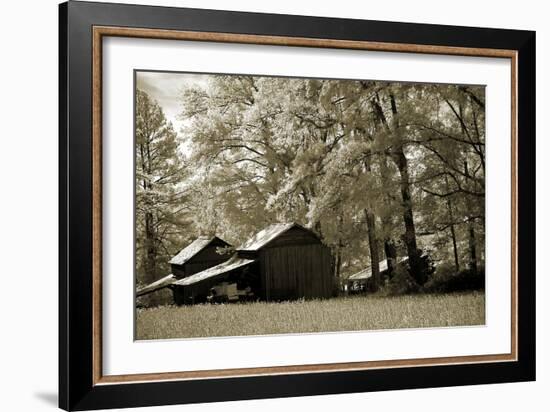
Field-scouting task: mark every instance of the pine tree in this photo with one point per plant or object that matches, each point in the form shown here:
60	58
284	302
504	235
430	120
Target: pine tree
159	195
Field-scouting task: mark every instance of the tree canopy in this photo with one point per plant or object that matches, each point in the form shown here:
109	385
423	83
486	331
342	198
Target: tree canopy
376	169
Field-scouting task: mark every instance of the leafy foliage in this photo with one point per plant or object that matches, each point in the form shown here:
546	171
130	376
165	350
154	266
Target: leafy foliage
370	166
160	195
446	280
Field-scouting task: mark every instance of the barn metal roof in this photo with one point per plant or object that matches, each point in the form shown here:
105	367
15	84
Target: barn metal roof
234	262
264	236
367	272
191	250
159	284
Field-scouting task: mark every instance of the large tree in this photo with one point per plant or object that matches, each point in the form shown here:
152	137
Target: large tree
372	167
160	195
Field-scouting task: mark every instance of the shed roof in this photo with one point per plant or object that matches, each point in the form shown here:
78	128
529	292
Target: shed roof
192	249
159	284
367	272
234	262
264	236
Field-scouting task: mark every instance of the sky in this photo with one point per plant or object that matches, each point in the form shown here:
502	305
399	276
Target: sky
166	87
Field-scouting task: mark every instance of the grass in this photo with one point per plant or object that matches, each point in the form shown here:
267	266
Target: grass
337	314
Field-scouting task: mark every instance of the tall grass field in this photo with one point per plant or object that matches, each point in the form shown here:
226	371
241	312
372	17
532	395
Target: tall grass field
330	315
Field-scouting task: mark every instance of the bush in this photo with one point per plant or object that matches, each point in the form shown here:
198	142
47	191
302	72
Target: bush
446	280
401	282
426	267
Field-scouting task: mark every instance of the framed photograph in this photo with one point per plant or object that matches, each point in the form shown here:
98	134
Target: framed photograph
256	205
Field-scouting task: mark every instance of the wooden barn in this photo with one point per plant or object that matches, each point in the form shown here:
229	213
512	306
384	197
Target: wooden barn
199	255
284	261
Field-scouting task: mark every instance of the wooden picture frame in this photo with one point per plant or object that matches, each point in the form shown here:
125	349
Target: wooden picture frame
82	385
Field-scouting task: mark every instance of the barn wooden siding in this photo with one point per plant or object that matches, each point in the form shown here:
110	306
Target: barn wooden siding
296	271
294	265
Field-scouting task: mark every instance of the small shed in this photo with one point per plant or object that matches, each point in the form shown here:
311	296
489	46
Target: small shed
201	254
362	280
284	261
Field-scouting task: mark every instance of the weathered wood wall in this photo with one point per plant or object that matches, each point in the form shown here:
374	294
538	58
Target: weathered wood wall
297	271
294	236
294	265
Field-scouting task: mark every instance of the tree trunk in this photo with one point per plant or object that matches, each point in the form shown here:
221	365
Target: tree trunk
151	252
471	230
452	227
455	249
387	220
472	244
409	237
338	262
391	255
339	245
398	157
317	229
373	248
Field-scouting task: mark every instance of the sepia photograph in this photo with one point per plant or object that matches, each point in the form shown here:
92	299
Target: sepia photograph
283	205
271	205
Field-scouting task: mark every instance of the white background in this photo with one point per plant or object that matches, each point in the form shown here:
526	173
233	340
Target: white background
28	207
123	356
